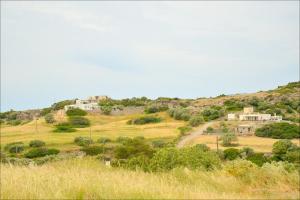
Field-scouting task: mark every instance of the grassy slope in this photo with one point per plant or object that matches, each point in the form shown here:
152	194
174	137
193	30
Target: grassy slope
87	178
102	126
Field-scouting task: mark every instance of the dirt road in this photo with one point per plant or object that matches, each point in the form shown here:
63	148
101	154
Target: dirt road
194	134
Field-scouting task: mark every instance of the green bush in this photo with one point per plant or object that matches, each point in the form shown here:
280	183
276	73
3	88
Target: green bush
123	140
257	158
158	144
15	122
79	122
16	148
40	152
233	105
93	150
184	129
139	162
166	159
36	143
103	140
212	113
9	145
180	114
209	130
76	112
83	141
231	153
64	127
60	105
155	109
246	152
132	148
196	120
106	109
280	130
228	138
144	120
49	118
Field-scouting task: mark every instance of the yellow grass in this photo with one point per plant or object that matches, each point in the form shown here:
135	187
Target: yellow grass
102	126
259	144
89	179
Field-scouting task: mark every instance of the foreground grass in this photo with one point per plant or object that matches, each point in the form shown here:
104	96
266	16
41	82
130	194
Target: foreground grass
87	178
101	126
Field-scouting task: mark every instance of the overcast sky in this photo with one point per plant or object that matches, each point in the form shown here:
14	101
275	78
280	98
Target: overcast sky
52	51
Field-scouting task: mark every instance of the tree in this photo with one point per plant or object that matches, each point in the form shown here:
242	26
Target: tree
231	153
76	112
106	109
49	118
228	138
196	120
281	130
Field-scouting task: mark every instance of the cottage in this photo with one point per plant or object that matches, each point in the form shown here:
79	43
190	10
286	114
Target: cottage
231	116
245	129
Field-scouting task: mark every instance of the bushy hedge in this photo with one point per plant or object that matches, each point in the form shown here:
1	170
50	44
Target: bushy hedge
49	118
106	109
231	153
180	114
64	127
14	147
184	129
144	120
36	143
93	150
155	109
76	112
196	120
79	122
103	140
212	113
40	152
83	141
158	143
280	130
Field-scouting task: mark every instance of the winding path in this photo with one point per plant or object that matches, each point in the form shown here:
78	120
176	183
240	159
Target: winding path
194	134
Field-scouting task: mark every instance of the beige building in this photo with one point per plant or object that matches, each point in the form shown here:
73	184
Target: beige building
245	129
250	115
89	104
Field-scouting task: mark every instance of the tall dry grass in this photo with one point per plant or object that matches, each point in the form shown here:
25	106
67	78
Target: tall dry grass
88	179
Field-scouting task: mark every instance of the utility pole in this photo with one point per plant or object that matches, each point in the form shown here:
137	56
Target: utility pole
217	143
36	128
91	133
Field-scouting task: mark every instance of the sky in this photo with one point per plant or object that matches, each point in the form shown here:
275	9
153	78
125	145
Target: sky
51	51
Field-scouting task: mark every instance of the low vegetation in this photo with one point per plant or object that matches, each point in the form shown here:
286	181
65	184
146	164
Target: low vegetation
145	120
281	130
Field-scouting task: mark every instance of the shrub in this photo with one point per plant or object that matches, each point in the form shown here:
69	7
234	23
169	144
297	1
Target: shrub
76	112
83	141
166	159
64	127
45	111
196	120
36	143
180	114
133	147
40	152
155	109
184	129
49	118
123	140
281	130
60	105
140	162
79	122
158	144
209	130
15	122
233	105
257	158
231	153
211	114
240	168
16	148
228	138
103	140
93	150
246	151
106	109
144	120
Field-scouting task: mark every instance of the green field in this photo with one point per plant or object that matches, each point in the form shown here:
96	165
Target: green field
101	126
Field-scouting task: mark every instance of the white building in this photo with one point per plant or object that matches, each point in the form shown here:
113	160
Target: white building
249	115
90	104
231	116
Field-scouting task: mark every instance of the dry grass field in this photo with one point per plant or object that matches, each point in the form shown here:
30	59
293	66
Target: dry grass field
259	144
88	178
101	126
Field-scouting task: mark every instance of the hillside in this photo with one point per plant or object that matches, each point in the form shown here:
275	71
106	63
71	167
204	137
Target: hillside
129	149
